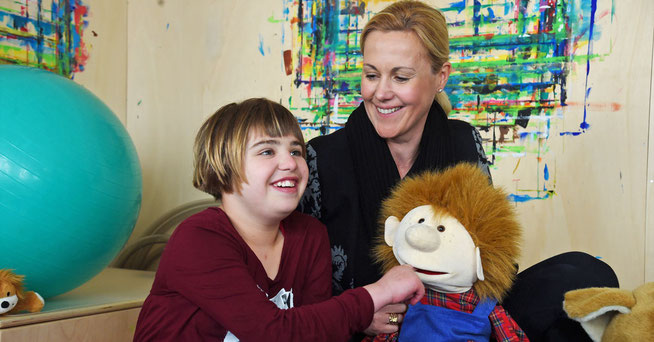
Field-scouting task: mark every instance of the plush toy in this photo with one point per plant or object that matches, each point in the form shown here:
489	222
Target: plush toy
462	237
14	299
610	314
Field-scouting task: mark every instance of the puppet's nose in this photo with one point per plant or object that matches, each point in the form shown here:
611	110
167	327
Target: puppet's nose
423	238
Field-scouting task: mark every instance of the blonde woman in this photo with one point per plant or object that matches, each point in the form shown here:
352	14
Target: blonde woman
401	128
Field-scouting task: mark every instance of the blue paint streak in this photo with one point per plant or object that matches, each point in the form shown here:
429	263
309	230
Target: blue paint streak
261	45
508	6
491	15
593	8
476	16
458	6
18	21
526	198
546	173
283	34
584	125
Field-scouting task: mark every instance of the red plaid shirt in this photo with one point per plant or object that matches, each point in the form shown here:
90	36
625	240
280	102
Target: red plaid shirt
505	329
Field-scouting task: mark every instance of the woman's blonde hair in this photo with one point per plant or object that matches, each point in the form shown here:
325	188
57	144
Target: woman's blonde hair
426	22
222	140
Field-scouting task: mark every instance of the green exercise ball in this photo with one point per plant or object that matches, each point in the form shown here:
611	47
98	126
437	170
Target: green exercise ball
70	181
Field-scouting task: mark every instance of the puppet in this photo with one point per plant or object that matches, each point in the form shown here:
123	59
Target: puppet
610	314
462	237
14	299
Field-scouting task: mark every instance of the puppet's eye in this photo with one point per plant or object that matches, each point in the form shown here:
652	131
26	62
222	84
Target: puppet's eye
441	228
421	220
8	294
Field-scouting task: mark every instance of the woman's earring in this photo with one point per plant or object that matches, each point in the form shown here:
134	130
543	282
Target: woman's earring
440	90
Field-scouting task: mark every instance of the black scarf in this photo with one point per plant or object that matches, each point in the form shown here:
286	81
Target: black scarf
375	169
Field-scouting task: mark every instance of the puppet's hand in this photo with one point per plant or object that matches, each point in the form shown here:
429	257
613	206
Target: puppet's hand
381	323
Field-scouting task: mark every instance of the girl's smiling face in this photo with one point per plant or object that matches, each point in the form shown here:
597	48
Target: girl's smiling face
276	175
398	84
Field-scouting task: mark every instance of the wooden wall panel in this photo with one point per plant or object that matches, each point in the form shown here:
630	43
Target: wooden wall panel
105	72
185	61
649	228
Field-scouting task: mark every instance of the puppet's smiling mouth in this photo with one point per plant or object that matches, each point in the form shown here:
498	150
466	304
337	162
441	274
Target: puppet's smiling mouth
429	272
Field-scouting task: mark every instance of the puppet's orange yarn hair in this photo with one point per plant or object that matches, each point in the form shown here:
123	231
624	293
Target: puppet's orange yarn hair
464	192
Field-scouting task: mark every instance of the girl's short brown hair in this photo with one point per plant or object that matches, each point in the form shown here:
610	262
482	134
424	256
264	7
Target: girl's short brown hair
221	142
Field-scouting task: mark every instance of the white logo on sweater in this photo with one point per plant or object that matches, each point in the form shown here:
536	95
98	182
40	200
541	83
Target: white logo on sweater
283	299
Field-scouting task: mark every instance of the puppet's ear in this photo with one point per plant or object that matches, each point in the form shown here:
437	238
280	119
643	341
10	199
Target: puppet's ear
480	267
390	226
595	307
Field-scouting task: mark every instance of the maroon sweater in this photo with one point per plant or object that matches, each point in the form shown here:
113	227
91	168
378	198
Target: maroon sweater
210	282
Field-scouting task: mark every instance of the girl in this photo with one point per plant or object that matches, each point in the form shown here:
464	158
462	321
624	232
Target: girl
254	269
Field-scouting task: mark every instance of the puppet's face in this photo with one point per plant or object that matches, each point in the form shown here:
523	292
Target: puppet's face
438	247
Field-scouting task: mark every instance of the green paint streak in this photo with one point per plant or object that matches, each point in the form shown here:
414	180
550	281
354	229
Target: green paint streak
48	61
9	10
510	149
271	19
548	60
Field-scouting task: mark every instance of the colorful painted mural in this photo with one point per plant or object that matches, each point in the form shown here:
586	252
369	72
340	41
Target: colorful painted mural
511	60
46	34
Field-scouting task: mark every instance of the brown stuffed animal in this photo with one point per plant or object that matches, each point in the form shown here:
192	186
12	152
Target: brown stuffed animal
14	299
610	314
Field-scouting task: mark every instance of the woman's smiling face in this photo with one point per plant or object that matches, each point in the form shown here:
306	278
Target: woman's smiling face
398	84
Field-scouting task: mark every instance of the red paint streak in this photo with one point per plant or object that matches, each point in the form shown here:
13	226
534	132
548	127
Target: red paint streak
599	106
288	62
330	57
81	53
487	36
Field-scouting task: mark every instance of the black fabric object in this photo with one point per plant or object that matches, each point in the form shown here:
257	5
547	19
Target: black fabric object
375	170
536	299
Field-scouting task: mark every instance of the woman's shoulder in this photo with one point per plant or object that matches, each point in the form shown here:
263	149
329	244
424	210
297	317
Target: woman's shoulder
459	126
463	132
334	139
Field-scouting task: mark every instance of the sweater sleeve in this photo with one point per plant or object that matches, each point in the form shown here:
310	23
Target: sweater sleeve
207	268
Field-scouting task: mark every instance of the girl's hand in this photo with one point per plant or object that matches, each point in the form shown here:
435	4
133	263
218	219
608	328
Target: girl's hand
399	284
381	322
